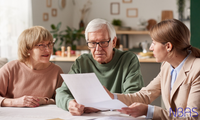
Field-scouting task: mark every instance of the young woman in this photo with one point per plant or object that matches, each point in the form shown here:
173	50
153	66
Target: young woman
32	80
178	80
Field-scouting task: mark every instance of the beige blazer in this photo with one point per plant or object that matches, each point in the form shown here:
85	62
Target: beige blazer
185	91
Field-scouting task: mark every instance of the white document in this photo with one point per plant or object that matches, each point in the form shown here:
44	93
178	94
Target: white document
88	91
119	118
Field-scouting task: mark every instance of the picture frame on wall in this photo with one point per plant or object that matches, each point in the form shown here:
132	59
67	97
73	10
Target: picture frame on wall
62	4
48	3
127	1
45	16
132	12
54	12
114	8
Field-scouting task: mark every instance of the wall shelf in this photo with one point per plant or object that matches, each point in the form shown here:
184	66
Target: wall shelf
123	33
126	33
130	32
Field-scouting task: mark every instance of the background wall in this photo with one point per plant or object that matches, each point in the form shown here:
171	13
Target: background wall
71	14
63	15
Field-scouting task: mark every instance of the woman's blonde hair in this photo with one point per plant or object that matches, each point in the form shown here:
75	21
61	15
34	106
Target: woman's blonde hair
29	38
175	32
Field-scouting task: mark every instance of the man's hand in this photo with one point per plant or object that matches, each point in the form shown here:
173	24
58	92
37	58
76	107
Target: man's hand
135	110
75	109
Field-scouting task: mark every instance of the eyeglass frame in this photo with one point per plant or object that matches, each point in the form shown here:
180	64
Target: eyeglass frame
45	46
99	43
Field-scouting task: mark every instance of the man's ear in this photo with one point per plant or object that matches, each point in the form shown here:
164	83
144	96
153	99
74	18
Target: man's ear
169	46
114	42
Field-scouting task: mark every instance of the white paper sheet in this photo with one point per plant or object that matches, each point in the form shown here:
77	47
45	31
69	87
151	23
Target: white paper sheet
118	118
88	91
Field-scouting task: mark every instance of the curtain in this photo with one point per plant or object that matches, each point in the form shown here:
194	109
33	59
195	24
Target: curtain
15	16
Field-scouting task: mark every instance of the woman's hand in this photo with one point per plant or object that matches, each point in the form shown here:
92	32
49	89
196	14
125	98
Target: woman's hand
135	110
25	101
109	93
45	101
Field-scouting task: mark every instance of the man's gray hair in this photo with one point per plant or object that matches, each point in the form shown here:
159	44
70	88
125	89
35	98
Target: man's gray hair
97	24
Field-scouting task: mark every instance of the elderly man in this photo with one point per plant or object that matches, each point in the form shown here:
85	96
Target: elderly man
118	71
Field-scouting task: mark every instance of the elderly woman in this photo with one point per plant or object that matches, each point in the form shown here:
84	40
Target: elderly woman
118	71
178	80
31	80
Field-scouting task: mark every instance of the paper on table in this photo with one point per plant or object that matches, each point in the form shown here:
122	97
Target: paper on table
118	118
88	91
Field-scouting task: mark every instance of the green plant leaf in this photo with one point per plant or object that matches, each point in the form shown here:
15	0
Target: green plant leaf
53	27
117	22
58	26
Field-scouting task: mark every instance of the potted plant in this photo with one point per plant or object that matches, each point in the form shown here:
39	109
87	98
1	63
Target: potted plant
67	36
70	35
181	7
117	23
55	35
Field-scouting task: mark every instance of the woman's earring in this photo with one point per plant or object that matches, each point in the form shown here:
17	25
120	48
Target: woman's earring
168	50
29	54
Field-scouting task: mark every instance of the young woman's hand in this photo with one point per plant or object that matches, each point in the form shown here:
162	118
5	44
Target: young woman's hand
135	110
109	93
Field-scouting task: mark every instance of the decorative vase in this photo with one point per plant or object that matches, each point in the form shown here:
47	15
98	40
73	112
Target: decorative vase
81	24
116	27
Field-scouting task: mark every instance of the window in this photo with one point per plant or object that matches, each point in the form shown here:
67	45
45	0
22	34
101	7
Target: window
15	16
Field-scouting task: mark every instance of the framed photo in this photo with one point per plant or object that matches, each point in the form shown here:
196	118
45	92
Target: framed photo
127	1
132	12
62	4
114	8
54	12
45	16
48	3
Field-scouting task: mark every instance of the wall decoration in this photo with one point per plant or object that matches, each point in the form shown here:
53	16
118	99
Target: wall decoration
48	3
45	16
54	12
127	1
166	14
132	12
114	8
62	4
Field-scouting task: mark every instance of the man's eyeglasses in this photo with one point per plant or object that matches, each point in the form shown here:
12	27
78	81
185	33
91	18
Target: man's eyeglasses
102	44
43	46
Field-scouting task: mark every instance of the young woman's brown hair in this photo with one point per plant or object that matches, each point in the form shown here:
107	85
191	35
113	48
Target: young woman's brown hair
175	32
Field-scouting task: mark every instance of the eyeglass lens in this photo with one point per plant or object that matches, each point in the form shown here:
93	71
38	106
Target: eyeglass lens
43	46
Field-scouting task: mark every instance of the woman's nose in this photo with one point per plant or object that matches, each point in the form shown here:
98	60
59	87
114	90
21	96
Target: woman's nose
46	48
151	47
